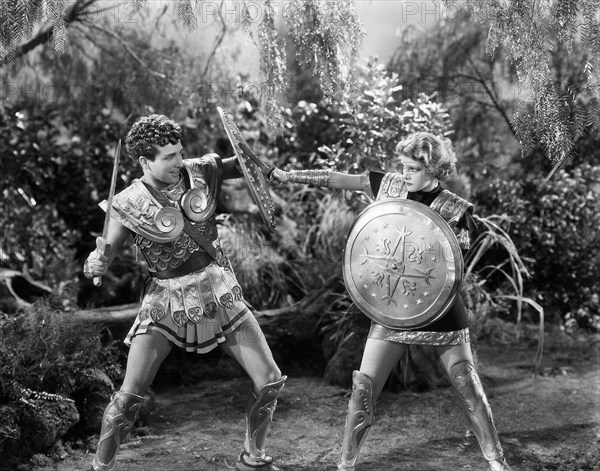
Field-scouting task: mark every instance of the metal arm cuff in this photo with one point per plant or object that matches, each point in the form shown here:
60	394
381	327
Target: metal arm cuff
312	177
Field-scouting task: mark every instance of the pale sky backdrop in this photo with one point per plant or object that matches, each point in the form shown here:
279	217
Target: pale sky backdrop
383	20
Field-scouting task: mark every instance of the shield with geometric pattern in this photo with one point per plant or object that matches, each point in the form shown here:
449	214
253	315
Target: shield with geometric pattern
402	264
257	185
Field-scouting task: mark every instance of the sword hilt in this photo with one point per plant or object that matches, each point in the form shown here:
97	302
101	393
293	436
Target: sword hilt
101	247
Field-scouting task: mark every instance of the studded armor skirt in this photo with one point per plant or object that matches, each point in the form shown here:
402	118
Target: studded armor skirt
451	329
195	311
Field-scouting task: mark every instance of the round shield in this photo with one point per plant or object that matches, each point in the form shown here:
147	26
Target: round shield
402	264
257	185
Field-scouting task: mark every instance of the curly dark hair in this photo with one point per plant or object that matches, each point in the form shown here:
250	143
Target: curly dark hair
149	132
435	153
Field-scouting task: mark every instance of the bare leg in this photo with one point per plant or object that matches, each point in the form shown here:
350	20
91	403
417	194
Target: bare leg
146	354
458	363
248	346
378	360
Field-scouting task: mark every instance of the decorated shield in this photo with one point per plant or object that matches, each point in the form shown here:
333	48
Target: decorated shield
402	264
252	173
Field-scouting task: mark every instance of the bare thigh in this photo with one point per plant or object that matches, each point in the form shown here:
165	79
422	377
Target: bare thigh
146	354
248	346
450	355
379	357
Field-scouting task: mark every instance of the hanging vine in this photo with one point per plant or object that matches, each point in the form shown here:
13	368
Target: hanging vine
327	36
528	31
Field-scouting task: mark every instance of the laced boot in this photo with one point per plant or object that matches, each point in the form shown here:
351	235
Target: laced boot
466	381
117	422
259	415
358	420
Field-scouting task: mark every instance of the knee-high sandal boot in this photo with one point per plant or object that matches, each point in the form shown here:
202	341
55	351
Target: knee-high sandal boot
117	421
466	381
259	415
358	420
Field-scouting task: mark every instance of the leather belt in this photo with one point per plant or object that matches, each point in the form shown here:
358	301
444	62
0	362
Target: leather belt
196	262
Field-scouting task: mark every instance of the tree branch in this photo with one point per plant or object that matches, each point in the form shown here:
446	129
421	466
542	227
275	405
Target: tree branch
74	14
493	97
79	28
483	82
218	42
130	51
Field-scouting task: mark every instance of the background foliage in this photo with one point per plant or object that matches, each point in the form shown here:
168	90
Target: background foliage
555	224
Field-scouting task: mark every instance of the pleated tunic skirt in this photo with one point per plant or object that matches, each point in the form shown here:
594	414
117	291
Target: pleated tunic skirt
195	311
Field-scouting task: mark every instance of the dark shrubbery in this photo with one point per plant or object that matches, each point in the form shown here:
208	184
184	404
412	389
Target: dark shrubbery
555	224
54	373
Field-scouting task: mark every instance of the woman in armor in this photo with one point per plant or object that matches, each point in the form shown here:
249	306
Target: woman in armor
191	298
425	161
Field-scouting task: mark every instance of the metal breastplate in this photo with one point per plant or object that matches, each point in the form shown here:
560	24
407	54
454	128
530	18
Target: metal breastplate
170	255
159	229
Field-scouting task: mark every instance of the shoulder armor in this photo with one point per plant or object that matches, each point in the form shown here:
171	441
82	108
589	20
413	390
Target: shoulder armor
138	210
392	186
204	175
451	207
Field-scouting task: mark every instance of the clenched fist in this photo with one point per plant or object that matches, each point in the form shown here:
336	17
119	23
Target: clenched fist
278	175
95	265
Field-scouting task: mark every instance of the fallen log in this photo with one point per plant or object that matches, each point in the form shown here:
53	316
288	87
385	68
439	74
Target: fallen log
123	313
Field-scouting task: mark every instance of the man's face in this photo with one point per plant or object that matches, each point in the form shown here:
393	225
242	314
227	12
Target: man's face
164	169
415	176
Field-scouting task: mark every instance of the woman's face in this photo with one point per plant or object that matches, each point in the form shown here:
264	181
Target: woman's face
415	175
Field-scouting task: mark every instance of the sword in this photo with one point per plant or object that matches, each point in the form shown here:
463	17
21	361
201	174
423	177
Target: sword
102	244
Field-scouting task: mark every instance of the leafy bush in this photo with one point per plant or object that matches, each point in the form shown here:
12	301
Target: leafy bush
378	120
55	374
555	224
55	171
43	349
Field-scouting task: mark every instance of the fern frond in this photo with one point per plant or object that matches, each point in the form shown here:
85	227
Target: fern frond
328	36
137	4
187	15
273	66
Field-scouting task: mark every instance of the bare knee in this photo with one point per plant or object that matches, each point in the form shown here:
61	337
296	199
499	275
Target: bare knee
271	374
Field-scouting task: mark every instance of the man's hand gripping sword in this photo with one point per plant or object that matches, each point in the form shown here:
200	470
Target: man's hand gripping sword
102	245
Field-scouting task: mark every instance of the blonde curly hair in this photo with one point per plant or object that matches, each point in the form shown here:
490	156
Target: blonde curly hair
435	153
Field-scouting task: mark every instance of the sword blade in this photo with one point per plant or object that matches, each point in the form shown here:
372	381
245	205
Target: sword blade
102	244
111	193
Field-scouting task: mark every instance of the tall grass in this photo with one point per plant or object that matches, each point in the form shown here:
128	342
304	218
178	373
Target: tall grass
512	269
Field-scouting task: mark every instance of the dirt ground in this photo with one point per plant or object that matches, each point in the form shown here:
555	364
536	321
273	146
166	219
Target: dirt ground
551	422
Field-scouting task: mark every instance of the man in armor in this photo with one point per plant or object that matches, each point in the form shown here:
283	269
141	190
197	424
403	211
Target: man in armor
425	160
192	298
